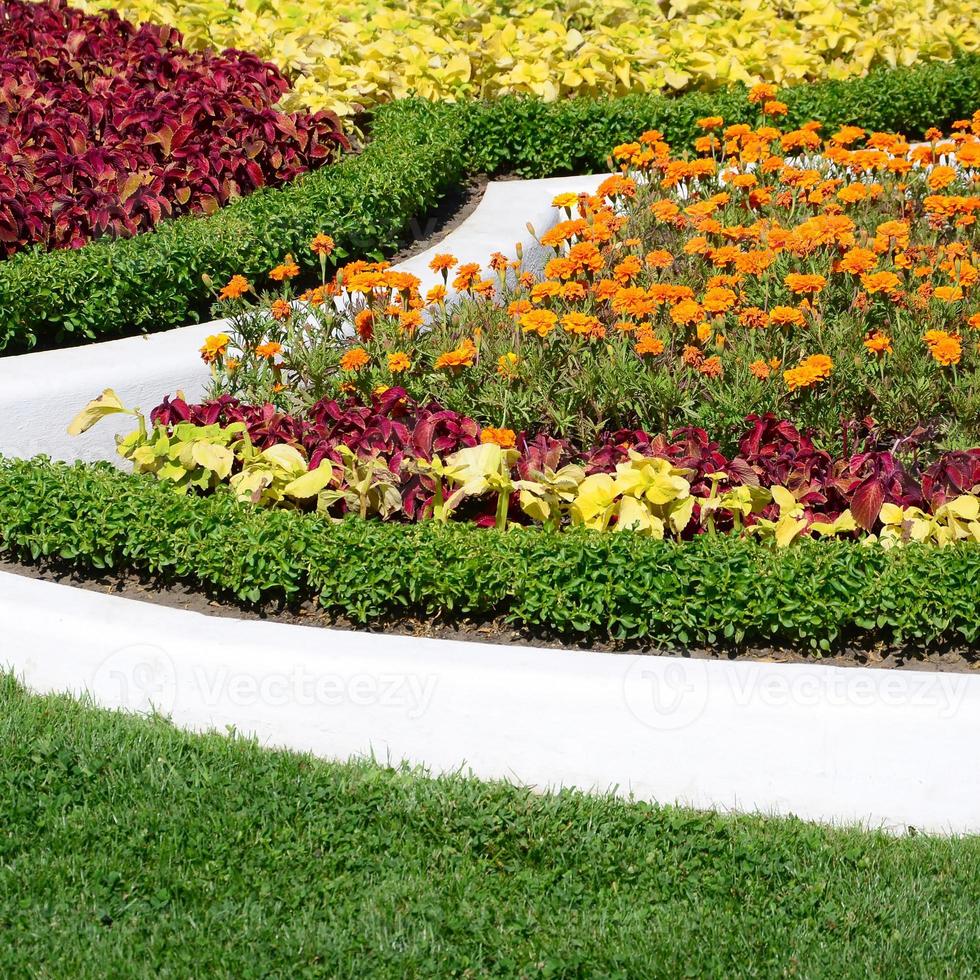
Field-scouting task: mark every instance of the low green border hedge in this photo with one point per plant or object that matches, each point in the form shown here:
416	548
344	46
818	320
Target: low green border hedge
618	586
418	152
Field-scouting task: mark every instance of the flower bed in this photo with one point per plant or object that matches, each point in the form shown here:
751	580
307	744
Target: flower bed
417	153
368	53
678	289
106	129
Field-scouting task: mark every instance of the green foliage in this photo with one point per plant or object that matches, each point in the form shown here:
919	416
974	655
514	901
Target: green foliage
419	150
127	841
620	586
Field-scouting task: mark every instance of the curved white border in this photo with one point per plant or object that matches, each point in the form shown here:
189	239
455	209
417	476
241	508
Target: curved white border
41	393
843	745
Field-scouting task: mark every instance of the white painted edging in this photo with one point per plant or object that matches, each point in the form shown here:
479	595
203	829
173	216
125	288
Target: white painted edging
41	393
842	745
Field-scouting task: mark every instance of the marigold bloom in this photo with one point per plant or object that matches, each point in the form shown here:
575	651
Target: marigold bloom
566	200
878	343
582	325
237	287
355	359
287	269
505	438
659	258
760	369
948	294
462	356
507	365
466	275
541	322
398	362
940	178
686	311
711	367
946	348
974	321
775	108
364	324
692	356
786	316
442	262
857	260
409	320
719	299
322	245
214	347
809	372
280	310
269	349
711	122
877	282
804	285
647	343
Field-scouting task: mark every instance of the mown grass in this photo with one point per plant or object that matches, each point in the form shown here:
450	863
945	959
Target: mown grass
128	848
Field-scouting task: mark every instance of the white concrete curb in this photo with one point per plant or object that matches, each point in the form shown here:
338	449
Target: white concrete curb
842	745
41	393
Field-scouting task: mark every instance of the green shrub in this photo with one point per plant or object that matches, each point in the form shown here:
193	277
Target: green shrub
419	151
578	584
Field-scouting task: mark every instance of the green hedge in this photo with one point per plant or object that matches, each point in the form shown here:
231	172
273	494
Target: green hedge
620	586
418	152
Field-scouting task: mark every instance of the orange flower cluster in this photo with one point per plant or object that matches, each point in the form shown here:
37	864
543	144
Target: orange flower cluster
809	372
461	356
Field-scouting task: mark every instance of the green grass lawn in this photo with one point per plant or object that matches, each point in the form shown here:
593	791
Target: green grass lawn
128	848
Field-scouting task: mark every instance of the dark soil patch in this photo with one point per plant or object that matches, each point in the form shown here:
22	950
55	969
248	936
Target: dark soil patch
429	229
131	585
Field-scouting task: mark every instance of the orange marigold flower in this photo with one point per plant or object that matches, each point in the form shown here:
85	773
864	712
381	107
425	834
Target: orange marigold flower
719	299
541	322
948	294
760	369
809	372
364	324
505	438
857	260
269	349
805	285
878	343
442	262
946	348
466	275
287	269
877	282
786	316
686	311
237	287
355	359
215	347
664	210
711	122
280	310
692	356
647	343
659	258
399	362
462	356
409	320
437	294
582	325
753	317
762	92
711	367
322	245
940	178
775	108
974	321
507	365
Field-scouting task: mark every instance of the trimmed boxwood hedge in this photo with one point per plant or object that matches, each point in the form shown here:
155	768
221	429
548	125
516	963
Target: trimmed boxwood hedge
418	151
579	584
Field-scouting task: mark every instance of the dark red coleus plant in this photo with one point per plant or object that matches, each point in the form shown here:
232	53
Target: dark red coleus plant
106	128
772	452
